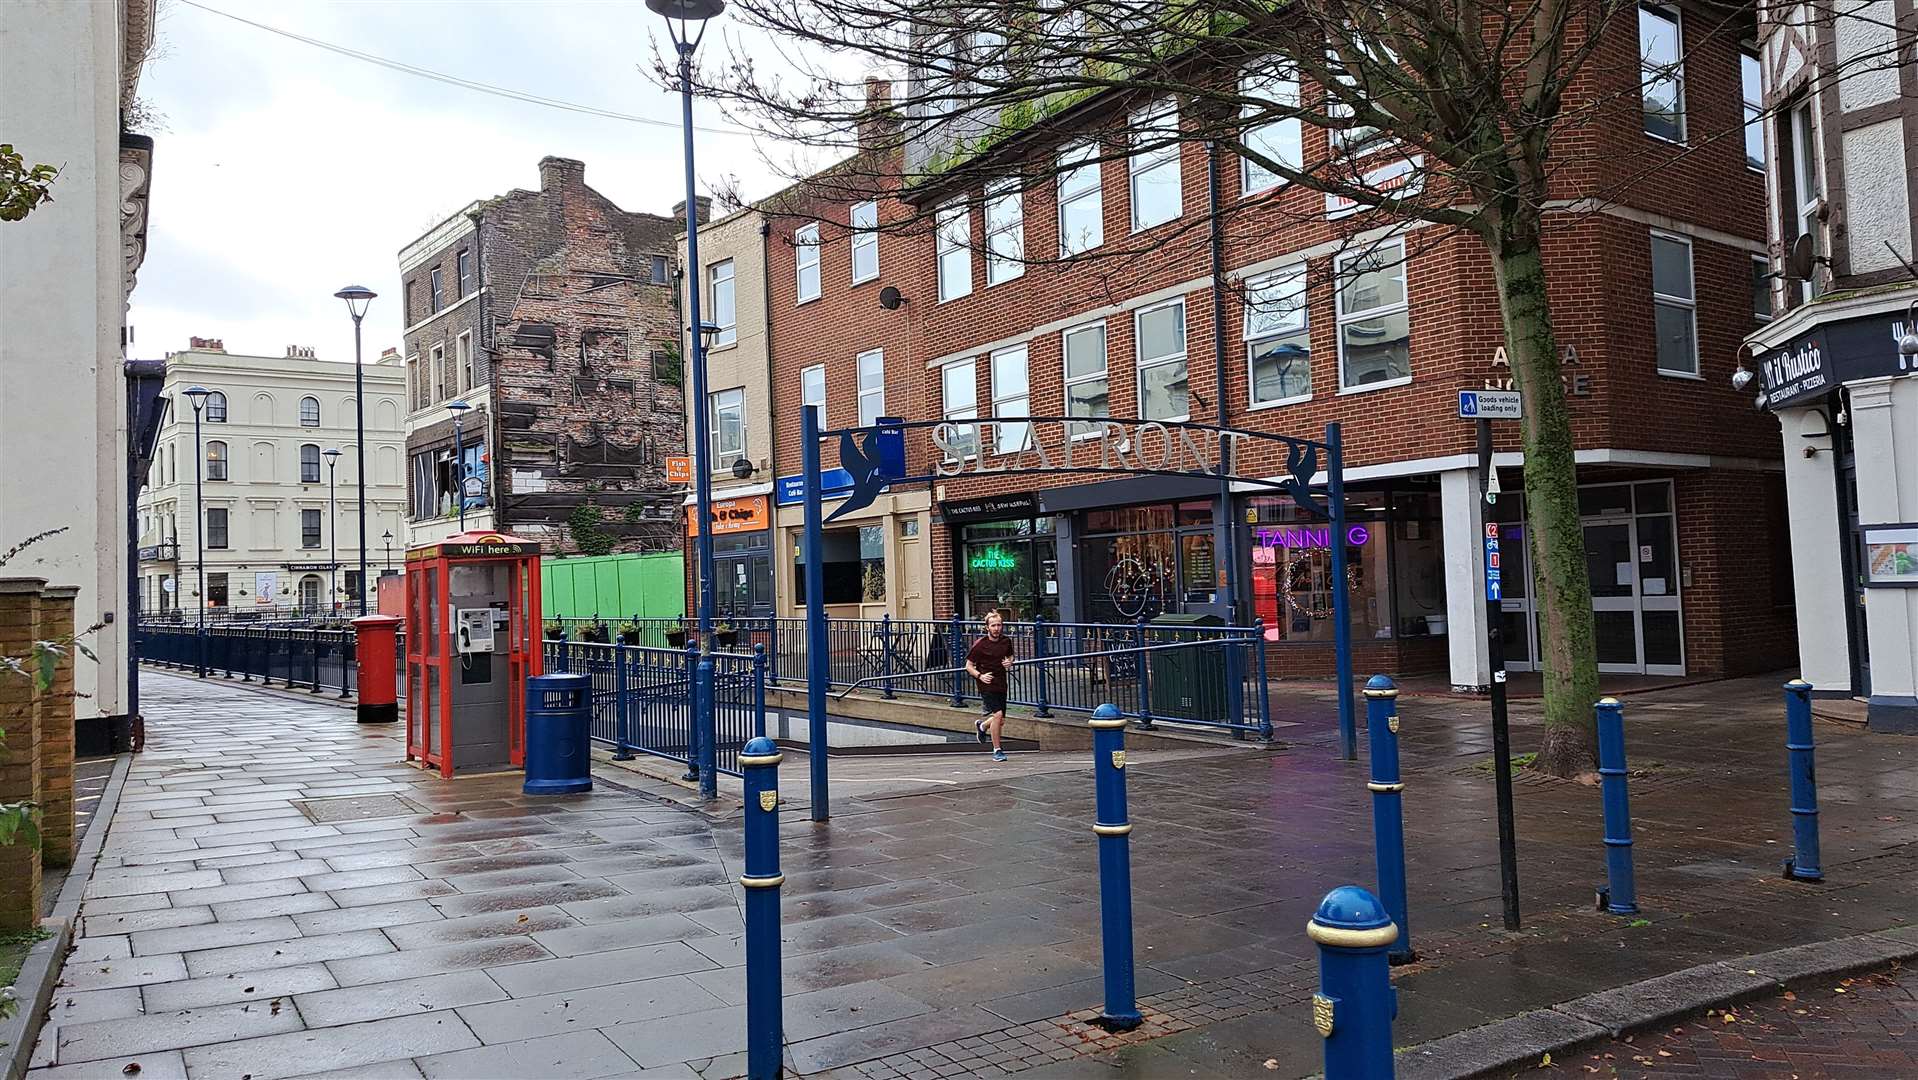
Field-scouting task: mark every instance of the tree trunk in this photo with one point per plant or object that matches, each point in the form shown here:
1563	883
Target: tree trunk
1555	538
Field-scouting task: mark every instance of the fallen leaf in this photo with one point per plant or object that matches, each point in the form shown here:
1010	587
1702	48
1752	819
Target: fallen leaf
1837	989
1545	1062
1789	996
131	1068
1664	1053
1729	1017
276	1007
1272	1064
248	990
524	918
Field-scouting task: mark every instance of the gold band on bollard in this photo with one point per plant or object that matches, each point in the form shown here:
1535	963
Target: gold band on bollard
1393	692
1111	830
773	882
1376	786
760	759
1118	723
1341	937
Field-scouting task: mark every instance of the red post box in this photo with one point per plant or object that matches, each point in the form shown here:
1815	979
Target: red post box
374	641
472	641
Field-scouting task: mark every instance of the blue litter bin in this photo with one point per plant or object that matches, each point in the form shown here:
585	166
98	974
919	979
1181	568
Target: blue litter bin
558	743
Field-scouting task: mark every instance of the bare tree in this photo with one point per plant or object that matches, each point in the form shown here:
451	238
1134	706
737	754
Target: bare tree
1438	117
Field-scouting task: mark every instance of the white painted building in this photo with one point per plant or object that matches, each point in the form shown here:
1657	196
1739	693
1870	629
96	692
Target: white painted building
1835	117
278	508
67	72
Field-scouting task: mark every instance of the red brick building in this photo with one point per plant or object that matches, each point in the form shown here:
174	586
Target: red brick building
1329	316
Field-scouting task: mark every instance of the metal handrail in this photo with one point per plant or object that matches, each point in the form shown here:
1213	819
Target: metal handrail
1131	650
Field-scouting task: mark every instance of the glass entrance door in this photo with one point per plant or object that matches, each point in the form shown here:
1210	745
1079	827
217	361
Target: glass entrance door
1612	571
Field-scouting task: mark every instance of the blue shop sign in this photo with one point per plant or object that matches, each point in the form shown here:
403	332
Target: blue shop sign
833	484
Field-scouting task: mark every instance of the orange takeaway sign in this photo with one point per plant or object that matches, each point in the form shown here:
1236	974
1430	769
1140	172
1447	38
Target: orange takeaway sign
679	469
731	516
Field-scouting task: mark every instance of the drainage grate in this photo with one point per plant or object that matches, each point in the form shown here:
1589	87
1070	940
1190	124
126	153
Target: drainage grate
356	808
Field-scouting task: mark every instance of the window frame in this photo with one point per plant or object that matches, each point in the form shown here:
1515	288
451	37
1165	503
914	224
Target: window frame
1762	265
805	376
863	392
1285	75
805	258
462	273
969	412
1071	163
717	402
315	402
463	368
436	365
214	408
1252	337
218	453
1804	179
947	243
1068	380
1001	268
224	533
1144	125
728	330
1675	73
1141	365
319	529
865	237
436	291
1687	303
1754	105
1000	401
1342	317
315	447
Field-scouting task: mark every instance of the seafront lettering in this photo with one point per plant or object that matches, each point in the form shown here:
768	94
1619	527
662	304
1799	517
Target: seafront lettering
1100	445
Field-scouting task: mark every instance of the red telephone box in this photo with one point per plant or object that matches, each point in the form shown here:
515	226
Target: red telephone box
472	640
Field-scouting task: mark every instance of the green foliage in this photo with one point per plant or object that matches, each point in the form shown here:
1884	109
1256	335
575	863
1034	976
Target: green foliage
668	366
23	186
586	523
632	513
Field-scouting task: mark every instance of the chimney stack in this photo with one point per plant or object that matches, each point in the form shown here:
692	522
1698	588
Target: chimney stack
877	123
206	344
555	172
299	352
703	207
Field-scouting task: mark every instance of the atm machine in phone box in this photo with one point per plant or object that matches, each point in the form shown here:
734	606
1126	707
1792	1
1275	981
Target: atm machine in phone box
472	640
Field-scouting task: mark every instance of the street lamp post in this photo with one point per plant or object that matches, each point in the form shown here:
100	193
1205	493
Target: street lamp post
332	455
686	23
197	395
387	539
357	298
458	409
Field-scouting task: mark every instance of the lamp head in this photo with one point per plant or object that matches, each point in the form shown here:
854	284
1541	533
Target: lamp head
1742	377
331	454
707	332
387	535
198	395
357	297
457	408
686	10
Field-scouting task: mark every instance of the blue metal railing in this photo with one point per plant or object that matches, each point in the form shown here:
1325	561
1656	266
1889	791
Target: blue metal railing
642	699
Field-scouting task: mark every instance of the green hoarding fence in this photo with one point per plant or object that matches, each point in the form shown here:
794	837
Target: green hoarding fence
614	587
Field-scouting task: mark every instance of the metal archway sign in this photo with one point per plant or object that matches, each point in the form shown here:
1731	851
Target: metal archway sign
875	458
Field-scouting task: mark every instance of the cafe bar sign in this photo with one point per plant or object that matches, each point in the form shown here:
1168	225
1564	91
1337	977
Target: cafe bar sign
1813	364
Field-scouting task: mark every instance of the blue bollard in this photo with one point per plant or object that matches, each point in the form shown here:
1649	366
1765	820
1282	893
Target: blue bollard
1114	830
1355	1005
622	708
759	764
1388	810
1620	895
1803	864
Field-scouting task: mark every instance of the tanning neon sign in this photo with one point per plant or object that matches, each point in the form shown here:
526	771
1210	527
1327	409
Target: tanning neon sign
1309	538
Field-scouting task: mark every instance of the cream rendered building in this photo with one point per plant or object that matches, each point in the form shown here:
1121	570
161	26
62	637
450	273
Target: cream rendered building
270	535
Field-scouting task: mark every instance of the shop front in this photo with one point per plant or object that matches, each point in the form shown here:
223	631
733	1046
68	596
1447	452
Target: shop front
1007	557
742	556
874	561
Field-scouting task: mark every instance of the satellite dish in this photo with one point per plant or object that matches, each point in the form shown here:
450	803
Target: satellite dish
1800	259
890	299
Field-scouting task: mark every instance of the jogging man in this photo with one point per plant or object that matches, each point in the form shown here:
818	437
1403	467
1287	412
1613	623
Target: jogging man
989	662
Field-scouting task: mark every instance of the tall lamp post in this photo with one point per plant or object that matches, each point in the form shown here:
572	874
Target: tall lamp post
332	455
197	395
357	298
458	409
387	538
686	23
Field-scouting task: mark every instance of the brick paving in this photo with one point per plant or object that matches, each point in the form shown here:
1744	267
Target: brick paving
247	920
1866	1026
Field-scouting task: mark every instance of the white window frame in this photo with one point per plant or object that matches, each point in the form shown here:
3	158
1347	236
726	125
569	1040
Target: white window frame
1749	59
224	459
1069	380
970	411
733	399
1150	124
864	221
1005	232
805	262
1647	73
723	273
1073	164
1141	364
316	410
872	399
1355	140
436	360
1289	278
953	237
463	361
1343	316
1687	303
1011	438
1277	84
316	463
1762	264
807	377
1801	128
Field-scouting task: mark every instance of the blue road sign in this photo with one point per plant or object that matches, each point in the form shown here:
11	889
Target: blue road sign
1489	404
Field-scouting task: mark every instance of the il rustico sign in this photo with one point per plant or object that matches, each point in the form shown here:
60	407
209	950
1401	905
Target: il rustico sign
1812	364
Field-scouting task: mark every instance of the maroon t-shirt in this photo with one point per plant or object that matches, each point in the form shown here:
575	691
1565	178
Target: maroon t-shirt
990	655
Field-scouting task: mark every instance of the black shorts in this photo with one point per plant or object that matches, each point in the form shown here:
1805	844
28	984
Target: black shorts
992	701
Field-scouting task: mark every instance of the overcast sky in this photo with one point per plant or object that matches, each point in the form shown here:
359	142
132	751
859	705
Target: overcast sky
283	171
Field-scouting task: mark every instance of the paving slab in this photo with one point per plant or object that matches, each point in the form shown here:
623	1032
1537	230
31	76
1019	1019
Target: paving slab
370	1001
579	1055
129	1036
332	1048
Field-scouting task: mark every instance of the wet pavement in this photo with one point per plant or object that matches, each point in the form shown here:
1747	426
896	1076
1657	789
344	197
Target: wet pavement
1860	1027
247	920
